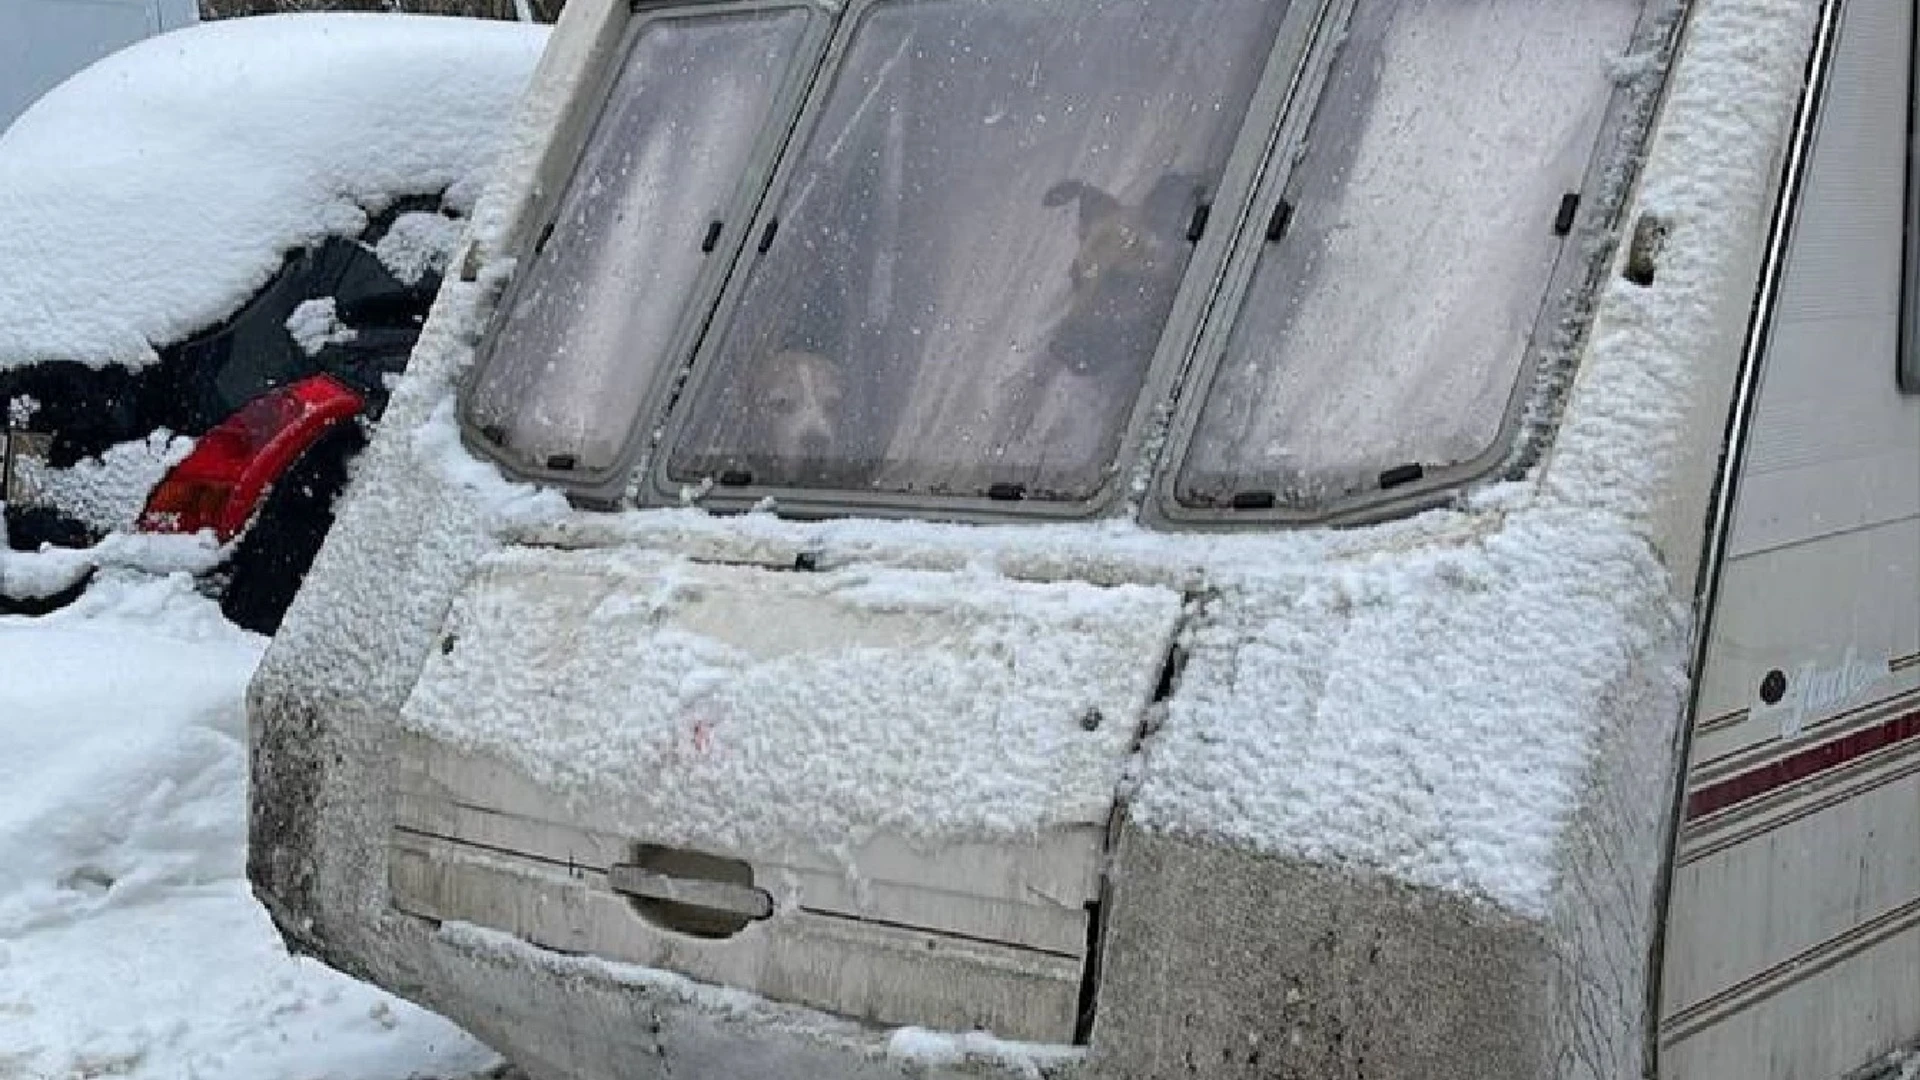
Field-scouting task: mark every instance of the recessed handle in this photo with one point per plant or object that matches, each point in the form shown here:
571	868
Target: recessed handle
721	897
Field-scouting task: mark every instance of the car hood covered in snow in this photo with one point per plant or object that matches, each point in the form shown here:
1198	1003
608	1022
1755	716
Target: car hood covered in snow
147	196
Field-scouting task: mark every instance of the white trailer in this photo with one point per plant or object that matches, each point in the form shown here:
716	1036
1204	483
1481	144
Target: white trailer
44	41
1139	539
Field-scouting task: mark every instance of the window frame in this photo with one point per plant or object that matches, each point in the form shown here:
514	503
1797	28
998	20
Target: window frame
1252	147
1544	364
606	487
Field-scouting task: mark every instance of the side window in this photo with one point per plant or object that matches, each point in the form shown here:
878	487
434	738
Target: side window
1409	250
582	341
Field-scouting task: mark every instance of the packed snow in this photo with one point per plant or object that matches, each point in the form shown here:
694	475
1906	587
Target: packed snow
418	242
231	143
130	944
315	324
26	575
108	491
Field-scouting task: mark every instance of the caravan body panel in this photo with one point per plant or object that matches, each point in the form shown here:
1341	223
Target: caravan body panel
1794	942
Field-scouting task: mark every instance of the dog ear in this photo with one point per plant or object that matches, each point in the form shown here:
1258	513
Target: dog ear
1095	205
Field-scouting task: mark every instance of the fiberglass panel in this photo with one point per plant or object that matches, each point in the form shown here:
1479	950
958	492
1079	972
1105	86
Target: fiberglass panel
1388	325
978	248
584	337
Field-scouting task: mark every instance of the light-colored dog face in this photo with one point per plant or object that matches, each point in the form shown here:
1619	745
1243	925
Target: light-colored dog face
797	400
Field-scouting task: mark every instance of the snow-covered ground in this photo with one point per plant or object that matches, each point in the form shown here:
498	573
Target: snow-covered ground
129	943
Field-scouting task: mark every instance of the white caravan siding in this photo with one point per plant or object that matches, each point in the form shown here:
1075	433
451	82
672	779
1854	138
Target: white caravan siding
1794	941
44	41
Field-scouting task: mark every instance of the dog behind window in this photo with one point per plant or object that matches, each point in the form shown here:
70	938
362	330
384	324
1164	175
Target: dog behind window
799	405
1122	281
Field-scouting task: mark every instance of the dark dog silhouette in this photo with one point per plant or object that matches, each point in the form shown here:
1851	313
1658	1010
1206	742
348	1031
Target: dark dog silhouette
1123	275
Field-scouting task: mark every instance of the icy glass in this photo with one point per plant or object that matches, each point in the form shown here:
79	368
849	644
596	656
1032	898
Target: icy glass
1388	327
979	247
586	332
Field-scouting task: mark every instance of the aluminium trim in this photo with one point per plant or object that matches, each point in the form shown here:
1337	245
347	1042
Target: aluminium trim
1726	490
1906	347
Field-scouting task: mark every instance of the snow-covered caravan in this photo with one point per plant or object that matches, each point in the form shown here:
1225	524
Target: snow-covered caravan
1132	538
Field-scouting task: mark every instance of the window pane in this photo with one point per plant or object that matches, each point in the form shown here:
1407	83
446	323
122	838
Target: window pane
1388	326
979	247
585	333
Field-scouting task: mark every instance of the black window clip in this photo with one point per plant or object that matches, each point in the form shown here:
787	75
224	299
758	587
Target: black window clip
1277	224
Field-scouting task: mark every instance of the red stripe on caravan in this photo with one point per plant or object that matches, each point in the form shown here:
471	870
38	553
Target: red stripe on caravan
1797	767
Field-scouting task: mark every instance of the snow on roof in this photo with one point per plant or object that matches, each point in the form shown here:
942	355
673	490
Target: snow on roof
149	195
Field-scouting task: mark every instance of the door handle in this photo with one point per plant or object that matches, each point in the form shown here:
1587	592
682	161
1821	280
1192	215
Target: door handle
724	897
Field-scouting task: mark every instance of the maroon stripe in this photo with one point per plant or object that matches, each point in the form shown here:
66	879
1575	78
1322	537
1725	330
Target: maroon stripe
1797	767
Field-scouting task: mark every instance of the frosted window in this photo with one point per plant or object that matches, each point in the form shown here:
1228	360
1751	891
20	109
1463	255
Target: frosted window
1385	330
979	247
584	336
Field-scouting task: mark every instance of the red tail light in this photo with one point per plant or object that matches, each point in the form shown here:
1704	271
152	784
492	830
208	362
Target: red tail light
220	483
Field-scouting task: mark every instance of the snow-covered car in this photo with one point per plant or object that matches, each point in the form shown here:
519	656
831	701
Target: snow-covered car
215	248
